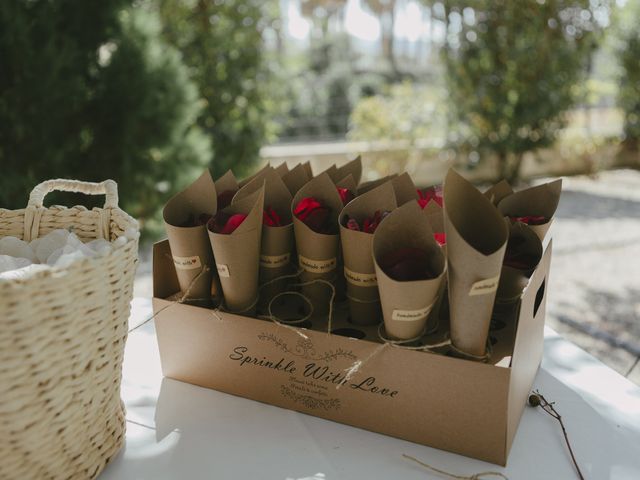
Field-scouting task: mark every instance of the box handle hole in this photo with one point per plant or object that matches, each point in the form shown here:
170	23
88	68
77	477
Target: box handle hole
539	297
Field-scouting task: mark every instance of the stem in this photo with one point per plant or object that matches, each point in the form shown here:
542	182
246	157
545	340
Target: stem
548	408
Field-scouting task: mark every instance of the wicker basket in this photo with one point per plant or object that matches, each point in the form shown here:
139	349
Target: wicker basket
62	336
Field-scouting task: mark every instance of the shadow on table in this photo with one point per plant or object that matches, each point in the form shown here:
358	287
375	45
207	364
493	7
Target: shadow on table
202	433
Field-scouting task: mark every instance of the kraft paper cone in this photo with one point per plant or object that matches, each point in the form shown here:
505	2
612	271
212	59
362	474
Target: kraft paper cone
258	174
353	168
190	246
514	280
332	171
307	168
539	200
237	255
341	283
282	169
407	305
296	178
226	182
404	189
348	182
435	216
367	186
277	242
476	242
357	248
318	253
498	191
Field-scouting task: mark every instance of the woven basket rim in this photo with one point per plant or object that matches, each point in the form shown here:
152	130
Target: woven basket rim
53	270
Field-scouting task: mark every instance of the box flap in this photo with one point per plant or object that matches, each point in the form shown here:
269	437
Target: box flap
527	350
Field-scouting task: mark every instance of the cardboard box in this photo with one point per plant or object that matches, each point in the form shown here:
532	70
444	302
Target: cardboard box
462	406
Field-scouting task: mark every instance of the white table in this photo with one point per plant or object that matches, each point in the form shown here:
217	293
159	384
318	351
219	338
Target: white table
180	431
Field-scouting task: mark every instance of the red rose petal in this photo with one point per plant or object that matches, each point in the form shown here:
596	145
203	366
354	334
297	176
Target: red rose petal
315	215
271	218
407	264
233	223
352	224
430	194
345	195
305	207
223	223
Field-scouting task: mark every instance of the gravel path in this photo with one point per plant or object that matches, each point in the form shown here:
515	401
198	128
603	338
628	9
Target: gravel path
594	297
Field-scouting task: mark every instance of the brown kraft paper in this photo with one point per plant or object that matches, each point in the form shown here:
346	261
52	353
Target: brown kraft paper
349	183
318	253
370	185
353	168
226	182
341	283
404	189
498	191
307	168
295	178
190	246
539	200
514	280
332	171
282	169
476	242
277	242
407	305
357	250
257	174
435	216
237	255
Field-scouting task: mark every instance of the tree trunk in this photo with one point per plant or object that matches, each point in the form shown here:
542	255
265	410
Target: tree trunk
503	166
514	174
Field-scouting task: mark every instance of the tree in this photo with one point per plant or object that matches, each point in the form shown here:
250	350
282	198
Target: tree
385	10
320	12
221	42
88	91
512	69
629	77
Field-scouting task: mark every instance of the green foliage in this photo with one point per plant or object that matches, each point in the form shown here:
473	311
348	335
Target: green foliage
407	112
221	42
323	88
88	91
629	81
512	71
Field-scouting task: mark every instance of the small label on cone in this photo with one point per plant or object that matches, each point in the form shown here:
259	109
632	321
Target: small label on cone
223	270
360	279
274	261
317	266
187	263
411	315
484	287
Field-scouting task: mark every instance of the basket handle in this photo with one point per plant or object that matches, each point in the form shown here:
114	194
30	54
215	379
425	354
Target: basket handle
109	188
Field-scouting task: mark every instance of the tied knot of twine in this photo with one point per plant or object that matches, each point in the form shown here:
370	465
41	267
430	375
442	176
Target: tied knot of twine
475	476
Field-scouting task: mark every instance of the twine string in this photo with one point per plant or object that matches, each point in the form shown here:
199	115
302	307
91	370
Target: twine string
429	347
